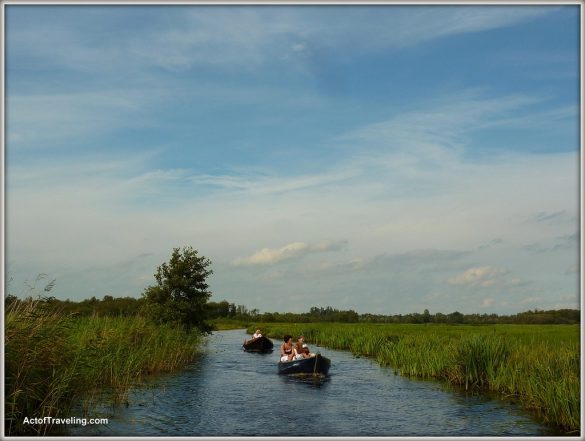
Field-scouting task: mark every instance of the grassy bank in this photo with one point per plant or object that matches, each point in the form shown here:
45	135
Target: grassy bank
537	366
53	361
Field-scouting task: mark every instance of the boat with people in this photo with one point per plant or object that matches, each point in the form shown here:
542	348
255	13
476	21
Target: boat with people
315	365
258	344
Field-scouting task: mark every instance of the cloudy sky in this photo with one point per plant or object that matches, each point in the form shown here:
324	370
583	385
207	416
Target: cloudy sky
385	159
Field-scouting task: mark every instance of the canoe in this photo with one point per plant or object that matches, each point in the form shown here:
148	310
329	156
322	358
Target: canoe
260	344
317	365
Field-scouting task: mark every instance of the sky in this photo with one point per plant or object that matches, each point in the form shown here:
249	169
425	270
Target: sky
386	159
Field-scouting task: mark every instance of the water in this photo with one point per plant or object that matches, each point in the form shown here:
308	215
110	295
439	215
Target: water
228	392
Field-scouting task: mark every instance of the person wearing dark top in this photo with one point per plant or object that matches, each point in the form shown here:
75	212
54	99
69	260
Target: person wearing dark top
286	349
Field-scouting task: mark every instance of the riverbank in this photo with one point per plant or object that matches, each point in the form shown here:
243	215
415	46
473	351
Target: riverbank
536	366
54	360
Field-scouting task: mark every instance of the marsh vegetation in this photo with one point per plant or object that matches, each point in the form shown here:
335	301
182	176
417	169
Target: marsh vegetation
53	361
536	366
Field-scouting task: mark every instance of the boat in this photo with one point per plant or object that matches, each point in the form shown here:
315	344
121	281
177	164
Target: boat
317	365
260	344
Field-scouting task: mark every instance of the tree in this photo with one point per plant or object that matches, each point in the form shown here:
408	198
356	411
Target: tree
426	316
181	291
455	317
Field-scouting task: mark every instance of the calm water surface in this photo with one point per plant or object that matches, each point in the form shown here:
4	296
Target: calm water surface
228	392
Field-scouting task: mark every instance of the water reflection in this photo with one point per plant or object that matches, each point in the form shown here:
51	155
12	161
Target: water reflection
317	381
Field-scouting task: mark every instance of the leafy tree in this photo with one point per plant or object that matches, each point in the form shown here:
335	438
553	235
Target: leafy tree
181	291
426	316
216	310
455	317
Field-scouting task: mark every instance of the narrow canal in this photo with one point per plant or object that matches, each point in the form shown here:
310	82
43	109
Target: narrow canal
228	392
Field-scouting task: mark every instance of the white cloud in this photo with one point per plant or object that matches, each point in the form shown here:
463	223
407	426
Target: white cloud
263	184
402	190
92	205
269	256
481	276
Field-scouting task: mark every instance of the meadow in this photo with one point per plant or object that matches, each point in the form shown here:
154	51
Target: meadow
537	366
54	361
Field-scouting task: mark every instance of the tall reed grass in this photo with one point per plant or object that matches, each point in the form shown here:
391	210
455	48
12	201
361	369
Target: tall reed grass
536	366
53	361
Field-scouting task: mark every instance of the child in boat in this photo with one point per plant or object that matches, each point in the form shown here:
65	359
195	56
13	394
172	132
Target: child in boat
301	349
257	334
286	349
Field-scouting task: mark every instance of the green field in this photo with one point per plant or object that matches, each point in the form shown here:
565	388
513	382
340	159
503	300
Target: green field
53	361
535	365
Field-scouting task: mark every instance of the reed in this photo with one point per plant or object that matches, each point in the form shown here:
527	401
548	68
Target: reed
536	366
53	361
38	367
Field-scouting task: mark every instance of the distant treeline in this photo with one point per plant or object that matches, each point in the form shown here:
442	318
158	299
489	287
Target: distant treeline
329	314
130	306
108	306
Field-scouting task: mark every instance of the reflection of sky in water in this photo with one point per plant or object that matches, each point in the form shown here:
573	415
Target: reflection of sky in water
232	393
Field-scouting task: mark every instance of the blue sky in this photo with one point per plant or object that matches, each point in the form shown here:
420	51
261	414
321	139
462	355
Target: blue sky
385	158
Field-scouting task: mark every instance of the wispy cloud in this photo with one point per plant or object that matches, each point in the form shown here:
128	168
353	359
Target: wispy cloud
211	124
444	121
478	277
484	277
490	244
295	250
440	21
411	262
413	151
559	243
550	301
39	120
260	183
544	216
206	35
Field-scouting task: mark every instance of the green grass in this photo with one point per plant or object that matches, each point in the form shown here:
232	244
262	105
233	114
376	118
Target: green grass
535	365
53	361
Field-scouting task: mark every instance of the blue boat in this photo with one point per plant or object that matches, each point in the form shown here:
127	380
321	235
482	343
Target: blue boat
317	365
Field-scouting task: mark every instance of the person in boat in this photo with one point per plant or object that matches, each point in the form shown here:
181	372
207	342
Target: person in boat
301	350
286	349
257	334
